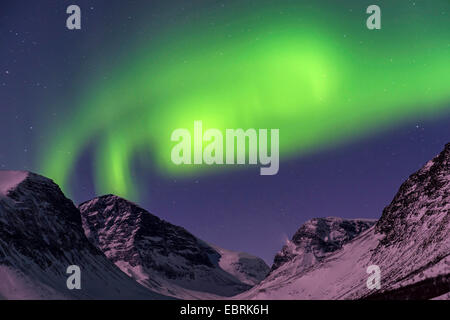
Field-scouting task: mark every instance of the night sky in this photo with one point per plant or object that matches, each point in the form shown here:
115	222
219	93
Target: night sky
358	110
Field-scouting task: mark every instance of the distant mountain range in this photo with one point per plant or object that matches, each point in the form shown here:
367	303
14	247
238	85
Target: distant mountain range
125	252
410	244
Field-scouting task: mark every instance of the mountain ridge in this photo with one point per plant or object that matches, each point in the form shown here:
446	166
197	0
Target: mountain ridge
409	243
41	235
162	256
127	253
318	237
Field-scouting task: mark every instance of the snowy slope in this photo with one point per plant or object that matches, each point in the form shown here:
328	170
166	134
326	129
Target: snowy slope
40	236
245	267
165	257
409	243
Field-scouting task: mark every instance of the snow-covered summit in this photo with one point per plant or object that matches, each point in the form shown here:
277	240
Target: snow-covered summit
40	236
162	256
10	179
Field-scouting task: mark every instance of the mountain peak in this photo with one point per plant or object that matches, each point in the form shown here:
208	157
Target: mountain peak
10	179
162	256
318	237
110	218
111	199
41	235
13	180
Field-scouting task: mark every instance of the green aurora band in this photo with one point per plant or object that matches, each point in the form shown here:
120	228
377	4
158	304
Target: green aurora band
319	75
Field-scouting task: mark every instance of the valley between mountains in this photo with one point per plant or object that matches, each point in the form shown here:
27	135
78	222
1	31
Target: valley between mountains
125	252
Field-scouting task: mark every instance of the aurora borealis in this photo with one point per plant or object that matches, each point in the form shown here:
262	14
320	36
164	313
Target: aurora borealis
306	69
357	110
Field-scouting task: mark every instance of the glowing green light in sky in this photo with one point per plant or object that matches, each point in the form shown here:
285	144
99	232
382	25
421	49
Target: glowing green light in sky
315	75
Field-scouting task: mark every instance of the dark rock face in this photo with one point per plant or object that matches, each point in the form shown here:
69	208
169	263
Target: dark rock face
126	232
426	192
37	218
318	237
415	229
161	256
41	235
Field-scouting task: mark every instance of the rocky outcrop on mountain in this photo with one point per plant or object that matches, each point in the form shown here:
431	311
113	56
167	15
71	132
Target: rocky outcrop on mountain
164	257
416	227
319	237
41	235
409	244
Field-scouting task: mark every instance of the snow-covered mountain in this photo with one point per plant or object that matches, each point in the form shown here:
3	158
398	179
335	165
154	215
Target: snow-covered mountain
40	236
164	257
125	252
317	238
410	244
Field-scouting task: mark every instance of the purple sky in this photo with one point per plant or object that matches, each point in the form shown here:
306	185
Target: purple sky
240	210
237	209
